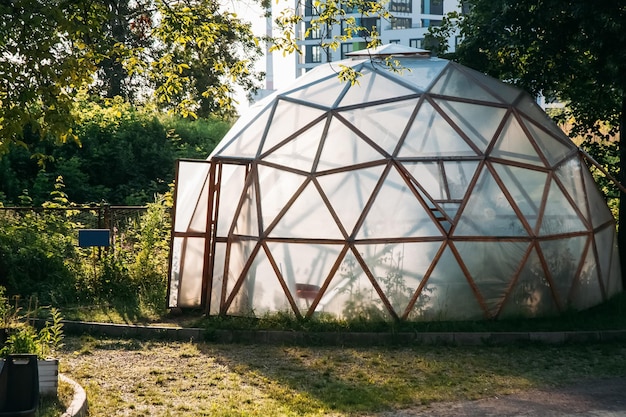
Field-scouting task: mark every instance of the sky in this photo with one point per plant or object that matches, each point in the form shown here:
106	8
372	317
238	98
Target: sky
283	66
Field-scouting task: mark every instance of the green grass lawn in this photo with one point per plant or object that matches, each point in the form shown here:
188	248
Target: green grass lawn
148	378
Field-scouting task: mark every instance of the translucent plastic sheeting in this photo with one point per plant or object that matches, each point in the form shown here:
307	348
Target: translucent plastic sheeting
420	73
493	267
300	152
600	213
410	218
349	192
488	212
464	115
559	215
247	141
526	187
308	218
233	184
373	87
276	188
456	84
288	119
432	136
608	254
563	257
190	275
570	174
343	147
384	124
447	294
192	186
531	294
586	291
399	268
351	294
514	145
553	150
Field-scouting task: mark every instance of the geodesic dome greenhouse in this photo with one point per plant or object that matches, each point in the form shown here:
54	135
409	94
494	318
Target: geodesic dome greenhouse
434	193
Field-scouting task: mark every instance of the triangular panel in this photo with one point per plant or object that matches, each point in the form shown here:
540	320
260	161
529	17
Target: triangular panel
563	257
459	175
429	176
455	83
240	252
245	143
488	212
504	91
383	123
399	268
537	115
526	187
587	292
570	175
553	149
307	218
288	119
371	86
247	222
531	295
260	292
492	266
351	295
277	187
608	254
432	136
559	215
600	213
447	294
323	93
465	115
343	148
422	75
514	145
299	152
349	192
396	212
304	268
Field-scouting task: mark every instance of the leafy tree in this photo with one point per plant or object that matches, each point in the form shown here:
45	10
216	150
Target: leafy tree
187	55
573	50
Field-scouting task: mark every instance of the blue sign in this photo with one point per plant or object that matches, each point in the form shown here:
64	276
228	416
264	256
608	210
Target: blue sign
94	237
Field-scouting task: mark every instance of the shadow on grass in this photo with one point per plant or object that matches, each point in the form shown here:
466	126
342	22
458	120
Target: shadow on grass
365	380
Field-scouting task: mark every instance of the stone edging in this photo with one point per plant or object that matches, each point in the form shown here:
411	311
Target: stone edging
339	338
78	406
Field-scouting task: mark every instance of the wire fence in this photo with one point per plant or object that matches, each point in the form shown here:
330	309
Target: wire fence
117	219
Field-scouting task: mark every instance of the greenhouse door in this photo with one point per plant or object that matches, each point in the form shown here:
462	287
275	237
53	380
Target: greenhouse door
199	240
192	226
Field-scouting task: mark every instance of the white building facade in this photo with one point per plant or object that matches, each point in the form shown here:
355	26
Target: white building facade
409	25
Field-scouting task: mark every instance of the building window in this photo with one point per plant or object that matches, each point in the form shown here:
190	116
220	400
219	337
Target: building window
416	43
345	49
313	33
426	23
400	23
432	7
402	6
313	54
396	41
309	9
465	7
367	25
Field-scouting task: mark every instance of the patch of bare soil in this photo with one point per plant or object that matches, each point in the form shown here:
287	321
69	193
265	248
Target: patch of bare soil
598	398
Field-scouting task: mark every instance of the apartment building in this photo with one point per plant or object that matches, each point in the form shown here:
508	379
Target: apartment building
410	23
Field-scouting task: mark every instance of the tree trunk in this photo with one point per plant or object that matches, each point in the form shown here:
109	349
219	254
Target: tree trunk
621	231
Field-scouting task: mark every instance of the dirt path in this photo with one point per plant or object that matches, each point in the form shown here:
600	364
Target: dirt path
597	398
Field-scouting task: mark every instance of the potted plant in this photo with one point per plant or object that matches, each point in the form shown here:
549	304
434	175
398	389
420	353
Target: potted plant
21	336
